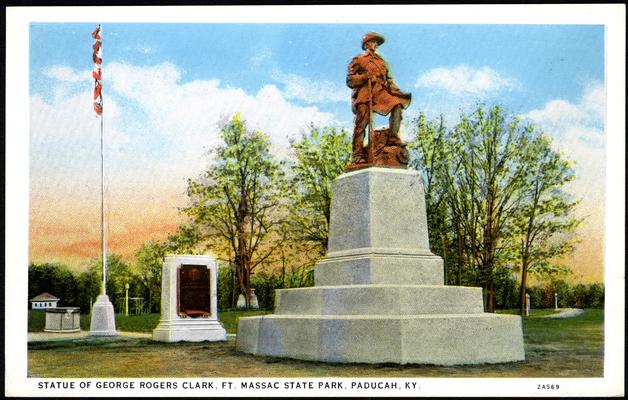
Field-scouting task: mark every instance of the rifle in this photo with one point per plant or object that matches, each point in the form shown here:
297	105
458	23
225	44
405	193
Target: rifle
370	135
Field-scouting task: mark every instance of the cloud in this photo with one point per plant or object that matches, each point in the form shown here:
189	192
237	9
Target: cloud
575	123
299	87
62	73
464	80
578	130
156	126
311	91
158	130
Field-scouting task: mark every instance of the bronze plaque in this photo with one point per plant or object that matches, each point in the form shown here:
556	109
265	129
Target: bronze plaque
194	292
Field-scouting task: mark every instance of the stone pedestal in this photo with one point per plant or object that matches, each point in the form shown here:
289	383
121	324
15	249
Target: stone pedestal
379	294
103	321
189	302
63	319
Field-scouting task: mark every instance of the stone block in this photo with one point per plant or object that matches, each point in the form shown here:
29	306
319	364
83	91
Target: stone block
103	320
379	267
439	339
378	208
379	300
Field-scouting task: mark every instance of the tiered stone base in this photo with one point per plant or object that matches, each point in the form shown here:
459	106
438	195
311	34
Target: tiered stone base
379	294
189	330
441	339
442	325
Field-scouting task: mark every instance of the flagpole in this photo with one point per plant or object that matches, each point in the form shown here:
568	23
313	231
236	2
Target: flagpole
103	320
103	226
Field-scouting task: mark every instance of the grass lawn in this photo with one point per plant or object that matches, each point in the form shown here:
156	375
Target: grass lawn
555	347
138	323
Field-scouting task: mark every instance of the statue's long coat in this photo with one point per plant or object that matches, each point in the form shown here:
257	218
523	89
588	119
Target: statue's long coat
385	94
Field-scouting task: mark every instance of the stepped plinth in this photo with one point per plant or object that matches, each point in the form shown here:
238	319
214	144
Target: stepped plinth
379	294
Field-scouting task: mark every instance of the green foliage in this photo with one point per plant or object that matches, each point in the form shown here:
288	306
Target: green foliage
81	290
150	258
54	279
267	283
236	202
506	293
119	274
90	283
230	319
595	298
137	323
544	221
569	296
565	293
320	157
36	320
580	295
226	288
493	198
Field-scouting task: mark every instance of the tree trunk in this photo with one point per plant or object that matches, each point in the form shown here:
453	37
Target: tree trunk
522	291
244	264
490	296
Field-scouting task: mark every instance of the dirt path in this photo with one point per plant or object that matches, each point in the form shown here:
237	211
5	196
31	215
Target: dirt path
52	336
565	313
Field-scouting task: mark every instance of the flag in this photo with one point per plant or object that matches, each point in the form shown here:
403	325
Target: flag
97	72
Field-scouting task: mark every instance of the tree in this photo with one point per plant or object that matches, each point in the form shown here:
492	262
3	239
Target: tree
235	203
89	286
429	155
55	279
478	178
119	274
544	222
320	157
150	259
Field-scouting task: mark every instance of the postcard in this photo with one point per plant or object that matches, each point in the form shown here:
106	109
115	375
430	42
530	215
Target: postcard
315	201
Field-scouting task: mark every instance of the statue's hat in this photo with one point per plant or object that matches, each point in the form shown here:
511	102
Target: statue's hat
372	36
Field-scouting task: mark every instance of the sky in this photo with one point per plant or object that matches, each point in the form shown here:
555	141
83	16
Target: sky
169	87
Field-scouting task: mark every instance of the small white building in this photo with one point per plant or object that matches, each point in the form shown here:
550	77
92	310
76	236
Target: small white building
43	301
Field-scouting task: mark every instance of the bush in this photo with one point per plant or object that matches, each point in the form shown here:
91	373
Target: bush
536	296
578	296
507	290
226	285
565	293
580	299
265	285
596	295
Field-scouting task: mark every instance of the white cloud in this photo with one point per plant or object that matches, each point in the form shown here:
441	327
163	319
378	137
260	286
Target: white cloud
62	73
578	122
312	91
578	129
464	80
156	127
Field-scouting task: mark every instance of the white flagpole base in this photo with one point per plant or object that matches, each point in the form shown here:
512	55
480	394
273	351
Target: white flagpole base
103	321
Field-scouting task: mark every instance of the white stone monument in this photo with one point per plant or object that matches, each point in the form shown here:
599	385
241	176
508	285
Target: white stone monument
103	319
189	309
379	294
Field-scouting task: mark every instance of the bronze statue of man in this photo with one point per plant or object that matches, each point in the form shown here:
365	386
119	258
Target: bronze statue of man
373	90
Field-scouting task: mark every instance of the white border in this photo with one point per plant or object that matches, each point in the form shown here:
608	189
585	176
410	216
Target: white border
17	180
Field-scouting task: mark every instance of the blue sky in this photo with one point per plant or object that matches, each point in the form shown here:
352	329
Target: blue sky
547	61
168	87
